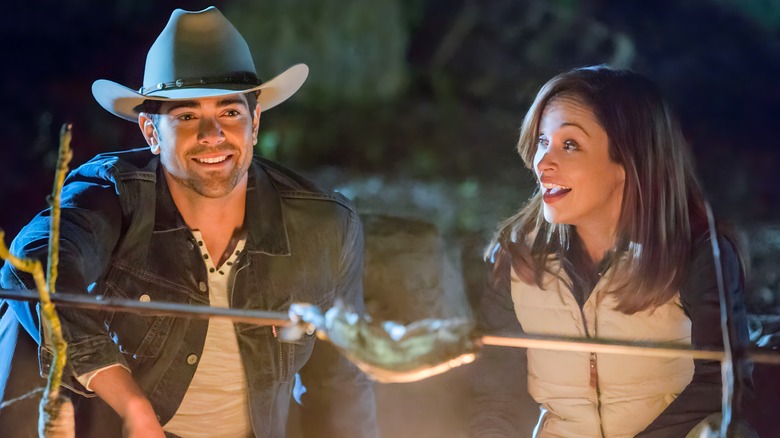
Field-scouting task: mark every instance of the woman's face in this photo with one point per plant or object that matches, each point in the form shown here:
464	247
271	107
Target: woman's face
581	185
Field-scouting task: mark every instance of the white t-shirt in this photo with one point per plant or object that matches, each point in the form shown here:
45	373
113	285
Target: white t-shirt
217	402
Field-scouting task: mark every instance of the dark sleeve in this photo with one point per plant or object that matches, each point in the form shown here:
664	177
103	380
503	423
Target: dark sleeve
339	399
89	229
700	299
501	406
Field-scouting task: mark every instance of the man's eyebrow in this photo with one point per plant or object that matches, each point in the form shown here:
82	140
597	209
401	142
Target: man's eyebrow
227	101
182	104
231	100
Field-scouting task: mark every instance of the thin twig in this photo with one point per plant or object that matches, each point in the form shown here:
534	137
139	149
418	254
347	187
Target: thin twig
48	313
30	394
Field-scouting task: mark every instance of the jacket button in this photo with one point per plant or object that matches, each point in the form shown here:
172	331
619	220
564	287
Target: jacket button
202	286
192	359
144	298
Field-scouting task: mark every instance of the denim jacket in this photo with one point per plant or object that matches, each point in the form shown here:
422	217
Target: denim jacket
122	236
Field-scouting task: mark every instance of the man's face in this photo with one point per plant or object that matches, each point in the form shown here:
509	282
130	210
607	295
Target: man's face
205	145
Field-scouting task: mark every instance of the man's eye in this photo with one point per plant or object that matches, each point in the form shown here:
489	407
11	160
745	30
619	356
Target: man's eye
232	113
185	117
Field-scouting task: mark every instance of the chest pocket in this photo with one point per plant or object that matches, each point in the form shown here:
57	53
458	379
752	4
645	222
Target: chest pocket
141	336
272	359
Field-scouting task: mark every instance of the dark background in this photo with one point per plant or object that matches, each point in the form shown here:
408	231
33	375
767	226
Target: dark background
413	107
429	89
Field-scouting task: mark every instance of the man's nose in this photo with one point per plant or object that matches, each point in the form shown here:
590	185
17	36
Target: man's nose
210	131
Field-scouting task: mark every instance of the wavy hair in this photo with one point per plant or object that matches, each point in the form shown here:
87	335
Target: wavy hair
663	210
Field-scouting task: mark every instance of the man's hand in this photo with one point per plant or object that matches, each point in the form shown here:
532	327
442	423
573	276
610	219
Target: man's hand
117	388
140	421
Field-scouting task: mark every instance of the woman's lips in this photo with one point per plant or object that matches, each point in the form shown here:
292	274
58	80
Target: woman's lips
554	194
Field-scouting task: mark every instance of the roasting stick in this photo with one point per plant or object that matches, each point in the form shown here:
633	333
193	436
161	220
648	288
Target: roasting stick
734	353
107	304
281	319
634	348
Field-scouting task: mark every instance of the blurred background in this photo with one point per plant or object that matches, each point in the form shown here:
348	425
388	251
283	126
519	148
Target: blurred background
412	109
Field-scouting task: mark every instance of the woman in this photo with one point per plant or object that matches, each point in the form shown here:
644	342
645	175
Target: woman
613	244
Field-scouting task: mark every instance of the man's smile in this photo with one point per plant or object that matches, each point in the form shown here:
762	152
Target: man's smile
212	160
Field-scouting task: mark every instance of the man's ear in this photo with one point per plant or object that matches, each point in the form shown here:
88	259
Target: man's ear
256	123
149	131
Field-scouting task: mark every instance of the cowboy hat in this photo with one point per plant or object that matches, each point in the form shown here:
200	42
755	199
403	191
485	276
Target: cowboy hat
198	54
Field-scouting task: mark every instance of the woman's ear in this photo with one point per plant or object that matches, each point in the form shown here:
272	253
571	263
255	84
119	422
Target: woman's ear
149	131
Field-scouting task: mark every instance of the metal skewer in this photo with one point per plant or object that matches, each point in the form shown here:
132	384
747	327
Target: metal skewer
257	317
260	317
634	348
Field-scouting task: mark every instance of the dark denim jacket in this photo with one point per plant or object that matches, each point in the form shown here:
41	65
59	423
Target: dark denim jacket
122	236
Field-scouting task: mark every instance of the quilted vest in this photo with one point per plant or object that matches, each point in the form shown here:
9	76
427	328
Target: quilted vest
599	395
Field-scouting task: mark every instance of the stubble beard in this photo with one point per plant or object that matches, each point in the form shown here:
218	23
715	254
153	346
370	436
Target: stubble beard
215	185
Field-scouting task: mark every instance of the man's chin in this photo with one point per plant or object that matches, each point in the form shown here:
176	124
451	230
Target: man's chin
214	187
214	191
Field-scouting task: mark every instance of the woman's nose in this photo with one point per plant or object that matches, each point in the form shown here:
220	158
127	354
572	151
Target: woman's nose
545	161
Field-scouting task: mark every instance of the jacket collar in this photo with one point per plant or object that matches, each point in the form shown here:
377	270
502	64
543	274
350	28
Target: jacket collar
166	215
266	229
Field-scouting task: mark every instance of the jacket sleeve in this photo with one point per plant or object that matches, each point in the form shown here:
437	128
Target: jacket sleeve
501	406
89	229
339	398
700	299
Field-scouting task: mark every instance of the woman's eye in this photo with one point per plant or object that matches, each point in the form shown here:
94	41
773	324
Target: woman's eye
543	142
569	145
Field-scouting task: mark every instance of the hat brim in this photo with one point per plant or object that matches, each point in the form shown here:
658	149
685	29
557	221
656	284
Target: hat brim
124	102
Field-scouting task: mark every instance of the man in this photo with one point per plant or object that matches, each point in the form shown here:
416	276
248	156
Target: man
199	221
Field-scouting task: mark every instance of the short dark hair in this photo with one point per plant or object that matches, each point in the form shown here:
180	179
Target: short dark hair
152	107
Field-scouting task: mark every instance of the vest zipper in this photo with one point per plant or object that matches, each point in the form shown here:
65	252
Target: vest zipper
594	365
594	380
594	372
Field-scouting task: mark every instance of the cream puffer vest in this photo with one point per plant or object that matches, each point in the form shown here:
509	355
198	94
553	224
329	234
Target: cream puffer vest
599	395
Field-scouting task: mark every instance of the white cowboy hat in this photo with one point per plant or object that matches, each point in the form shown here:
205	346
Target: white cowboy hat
198	54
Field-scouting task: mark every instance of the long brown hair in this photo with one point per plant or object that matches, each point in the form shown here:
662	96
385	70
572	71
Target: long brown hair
663	209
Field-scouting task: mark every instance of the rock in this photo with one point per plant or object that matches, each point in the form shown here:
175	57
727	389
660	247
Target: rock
763	250
409	274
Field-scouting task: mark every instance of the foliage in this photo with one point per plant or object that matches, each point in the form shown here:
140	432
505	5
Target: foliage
764	12
354	48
